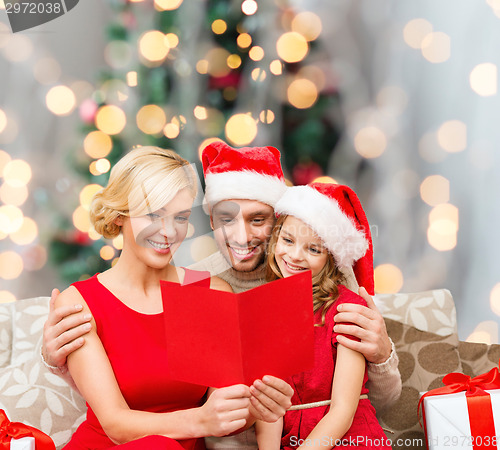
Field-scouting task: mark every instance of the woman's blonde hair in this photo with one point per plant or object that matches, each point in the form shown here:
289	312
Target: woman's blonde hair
143	181
325	290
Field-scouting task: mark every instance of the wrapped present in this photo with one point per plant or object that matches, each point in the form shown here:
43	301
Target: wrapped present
463	413
17	436
25	443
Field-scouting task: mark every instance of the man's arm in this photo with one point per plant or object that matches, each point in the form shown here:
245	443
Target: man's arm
367	324
384	382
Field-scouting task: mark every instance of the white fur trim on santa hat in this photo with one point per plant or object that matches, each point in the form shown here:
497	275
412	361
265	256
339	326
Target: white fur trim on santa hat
244	185
341	237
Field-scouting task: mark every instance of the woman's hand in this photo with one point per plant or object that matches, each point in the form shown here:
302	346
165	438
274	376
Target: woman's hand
63	332
367	324
271	397
226	410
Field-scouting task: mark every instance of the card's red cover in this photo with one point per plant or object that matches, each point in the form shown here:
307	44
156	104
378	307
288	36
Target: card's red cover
219	338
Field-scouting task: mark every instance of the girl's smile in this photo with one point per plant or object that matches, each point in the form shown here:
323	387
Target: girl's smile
293	267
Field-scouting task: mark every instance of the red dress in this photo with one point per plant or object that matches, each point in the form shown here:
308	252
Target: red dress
135	343
316	385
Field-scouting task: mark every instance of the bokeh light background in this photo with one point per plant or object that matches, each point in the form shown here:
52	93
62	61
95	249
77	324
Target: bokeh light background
418	89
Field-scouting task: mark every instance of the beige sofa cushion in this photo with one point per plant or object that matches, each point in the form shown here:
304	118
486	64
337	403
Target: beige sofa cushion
420	371
478	358
29	393
422	326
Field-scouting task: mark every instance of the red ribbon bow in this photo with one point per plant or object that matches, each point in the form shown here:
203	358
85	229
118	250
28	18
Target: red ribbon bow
478	403
17	430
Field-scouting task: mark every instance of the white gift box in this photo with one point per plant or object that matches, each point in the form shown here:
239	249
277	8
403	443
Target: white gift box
25	443
447	421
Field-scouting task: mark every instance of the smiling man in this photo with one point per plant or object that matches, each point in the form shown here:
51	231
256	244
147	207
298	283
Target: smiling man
242	187
242	229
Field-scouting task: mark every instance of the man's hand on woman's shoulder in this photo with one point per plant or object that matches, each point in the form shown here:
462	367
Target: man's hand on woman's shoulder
64	330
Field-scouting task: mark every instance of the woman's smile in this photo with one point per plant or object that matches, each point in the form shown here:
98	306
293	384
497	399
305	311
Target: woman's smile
159	246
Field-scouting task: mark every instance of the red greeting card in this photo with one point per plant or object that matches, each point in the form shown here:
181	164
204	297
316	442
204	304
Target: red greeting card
219	338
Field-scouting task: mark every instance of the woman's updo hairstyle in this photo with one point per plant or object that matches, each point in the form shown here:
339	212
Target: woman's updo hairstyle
143	181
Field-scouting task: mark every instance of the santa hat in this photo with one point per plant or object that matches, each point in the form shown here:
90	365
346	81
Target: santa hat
335	213
252	173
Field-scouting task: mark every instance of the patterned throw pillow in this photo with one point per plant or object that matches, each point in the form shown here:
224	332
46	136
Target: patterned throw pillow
432	311
29	393
5	334
424	358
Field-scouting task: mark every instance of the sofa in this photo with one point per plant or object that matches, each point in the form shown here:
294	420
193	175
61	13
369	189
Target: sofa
423	327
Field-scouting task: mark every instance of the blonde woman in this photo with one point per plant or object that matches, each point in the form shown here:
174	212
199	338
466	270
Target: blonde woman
120	369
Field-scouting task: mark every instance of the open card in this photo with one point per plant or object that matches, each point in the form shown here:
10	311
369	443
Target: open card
219	338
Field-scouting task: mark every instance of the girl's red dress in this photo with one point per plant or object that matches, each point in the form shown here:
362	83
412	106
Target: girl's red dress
136	347
316	385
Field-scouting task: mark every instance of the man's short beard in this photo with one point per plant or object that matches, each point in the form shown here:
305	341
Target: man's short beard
246	269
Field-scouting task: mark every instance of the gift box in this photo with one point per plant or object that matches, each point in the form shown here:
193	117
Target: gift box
25	443
17	436
465	413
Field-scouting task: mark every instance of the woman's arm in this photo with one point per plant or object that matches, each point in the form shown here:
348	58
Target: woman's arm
220	285
269	434
346	388
62	334
225	411
66	327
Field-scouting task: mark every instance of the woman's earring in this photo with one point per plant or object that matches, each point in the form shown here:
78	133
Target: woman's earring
118	221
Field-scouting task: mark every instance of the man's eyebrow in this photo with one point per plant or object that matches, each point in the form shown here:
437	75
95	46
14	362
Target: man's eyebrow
225	212
259	213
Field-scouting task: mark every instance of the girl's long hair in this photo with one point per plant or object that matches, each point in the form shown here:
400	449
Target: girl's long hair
325	290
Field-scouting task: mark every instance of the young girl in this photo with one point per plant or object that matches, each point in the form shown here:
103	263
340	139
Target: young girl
319	229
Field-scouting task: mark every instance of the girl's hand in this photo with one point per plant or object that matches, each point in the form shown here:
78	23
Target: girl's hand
269	434
367	324
271	397
63	331
226	410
